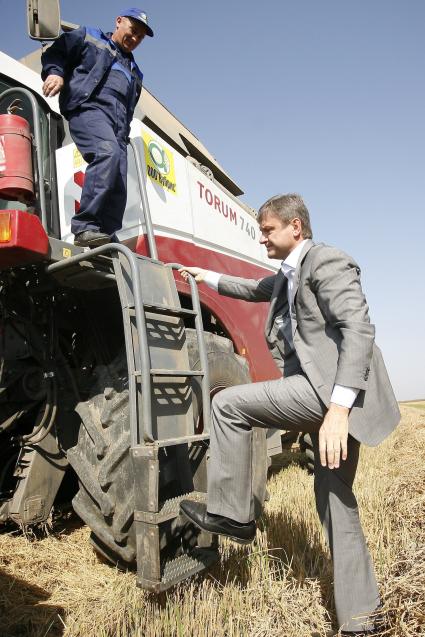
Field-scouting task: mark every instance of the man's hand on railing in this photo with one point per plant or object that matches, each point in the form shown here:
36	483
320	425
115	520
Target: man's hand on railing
197	273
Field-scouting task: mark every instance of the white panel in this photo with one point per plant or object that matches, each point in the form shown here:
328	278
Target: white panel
217	219
183	201
69	165
166	183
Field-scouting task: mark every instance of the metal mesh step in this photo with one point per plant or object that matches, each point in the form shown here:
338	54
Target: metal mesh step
169	311
164	310
169	508
176	372
180	568
186	565
173	504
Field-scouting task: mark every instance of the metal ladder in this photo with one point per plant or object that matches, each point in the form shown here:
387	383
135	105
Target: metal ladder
161	414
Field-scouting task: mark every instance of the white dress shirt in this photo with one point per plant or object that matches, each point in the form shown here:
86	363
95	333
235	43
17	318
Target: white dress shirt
341	395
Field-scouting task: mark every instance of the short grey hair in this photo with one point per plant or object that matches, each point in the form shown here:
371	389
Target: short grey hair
286	208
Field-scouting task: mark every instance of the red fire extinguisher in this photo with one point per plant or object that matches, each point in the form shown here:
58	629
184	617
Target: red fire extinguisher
16	174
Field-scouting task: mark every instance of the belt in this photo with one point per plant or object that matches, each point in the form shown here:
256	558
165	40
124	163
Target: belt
111	91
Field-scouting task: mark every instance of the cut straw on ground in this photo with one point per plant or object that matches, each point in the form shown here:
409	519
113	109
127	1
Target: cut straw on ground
279	586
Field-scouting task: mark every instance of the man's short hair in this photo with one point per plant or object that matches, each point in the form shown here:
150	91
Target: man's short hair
286	208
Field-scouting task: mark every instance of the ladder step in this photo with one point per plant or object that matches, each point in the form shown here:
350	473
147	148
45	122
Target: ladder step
163	309
167	442
170	311
170	372
180	568
169	509
175	372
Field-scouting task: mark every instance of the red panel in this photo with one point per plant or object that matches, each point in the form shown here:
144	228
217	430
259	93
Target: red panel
29	242
244	321
79	180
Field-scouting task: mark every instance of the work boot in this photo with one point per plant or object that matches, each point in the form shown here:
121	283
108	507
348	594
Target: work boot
91	239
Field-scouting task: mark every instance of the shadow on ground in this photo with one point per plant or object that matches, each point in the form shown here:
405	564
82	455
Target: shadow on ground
24	610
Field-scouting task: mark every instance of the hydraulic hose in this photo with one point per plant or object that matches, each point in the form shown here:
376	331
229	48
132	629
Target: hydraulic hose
3	474
9	422
49	426
24	439
52	393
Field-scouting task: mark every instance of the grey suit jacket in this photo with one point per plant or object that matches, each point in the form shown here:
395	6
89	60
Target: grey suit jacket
332	333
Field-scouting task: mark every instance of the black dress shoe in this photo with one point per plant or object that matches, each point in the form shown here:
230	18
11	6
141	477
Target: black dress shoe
197	513
91	239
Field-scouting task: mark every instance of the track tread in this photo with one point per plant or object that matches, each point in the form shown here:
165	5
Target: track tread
108	477
89	515
88	418
91	484
112	459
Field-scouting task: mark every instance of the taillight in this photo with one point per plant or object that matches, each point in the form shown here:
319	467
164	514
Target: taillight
22	239
5	227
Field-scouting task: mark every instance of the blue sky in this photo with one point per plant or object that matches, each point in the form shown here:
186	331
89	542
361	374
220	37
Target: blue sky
322	98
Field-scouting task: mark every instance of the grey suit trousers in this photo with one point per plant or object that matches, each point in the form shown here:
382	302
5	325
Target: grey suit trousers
291	403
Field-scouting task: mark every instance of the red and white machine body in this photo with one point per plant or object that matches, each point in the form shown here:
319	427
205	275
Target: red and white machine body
196	221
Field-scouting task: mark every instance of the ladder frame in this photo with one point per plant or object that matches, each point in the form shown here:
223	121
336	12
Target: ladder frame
150	514
141	419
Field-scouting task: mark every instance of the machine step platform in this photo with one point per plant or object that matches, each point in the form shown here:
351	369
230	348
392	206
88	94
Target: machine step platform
180	568
169	509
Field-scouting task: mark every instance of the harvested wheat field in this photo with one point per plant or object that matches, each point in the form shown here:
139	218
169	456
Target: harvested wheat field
279	586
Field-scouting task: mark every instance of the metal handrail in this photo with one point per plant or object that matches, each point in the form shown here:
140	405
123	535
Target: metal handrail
37	137
147	431
203	357
141	329
145	201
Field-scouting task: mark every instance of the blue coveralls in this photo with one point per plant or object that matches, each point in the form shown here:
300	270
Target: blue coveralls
102	86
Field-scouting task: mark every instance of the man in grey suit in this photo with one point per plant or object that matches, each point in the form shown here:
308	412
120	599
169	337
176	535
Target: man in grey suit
334	385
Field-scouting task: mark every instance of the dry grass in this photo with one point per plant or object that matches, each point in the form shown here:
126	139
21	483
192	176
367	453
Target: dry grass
281	586
418	404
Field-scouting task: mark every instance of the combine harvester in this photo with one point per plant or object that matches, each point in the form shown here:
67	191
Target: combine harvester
108	359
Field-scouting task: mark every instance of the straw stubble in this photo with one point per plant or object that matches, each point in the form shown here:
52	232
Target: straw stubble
279	586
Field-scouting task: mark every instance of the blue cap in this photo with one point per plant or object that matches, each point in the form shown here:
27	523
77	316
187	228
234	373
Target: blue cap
140	16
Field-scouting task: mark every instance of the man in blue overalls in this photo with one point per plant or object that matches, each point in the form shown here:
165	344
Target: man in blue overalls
99	84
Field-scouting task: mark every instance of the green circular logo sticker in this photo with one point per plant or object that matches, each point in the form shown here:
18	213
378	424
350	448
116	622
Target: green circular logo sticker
159	157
